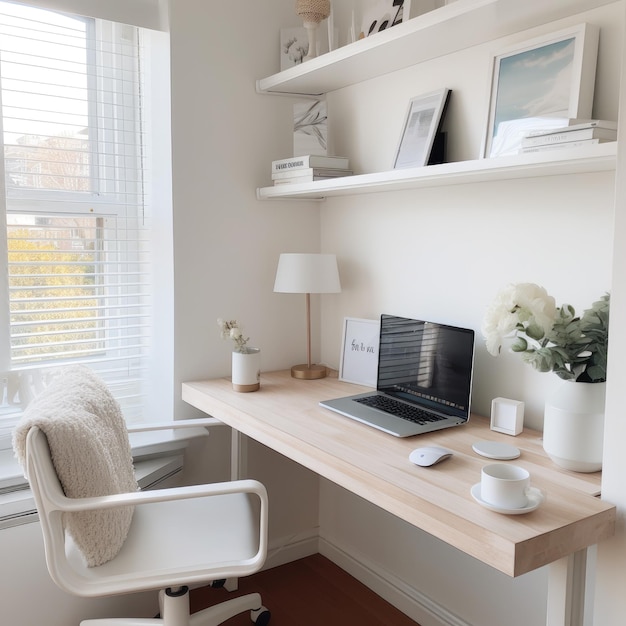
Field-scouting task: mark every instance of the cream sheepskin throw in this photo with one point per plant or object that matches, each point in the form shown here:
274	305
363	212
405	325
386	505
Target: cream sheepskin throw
91	453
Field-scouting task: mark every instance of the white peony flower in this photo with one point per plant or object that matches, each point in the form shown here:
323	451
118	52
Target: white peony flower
523	306
536	306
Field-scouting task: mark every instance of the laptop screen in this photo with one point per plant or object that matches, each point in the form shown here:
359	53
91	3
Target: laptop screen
426	363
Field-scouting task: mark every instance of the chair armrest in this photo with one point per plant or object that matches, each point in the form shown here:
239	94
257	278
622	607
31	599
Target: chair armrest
73	505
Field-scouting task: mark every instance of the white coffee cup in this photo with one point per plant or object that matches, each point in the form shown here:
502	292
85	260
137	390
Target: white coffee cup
504	485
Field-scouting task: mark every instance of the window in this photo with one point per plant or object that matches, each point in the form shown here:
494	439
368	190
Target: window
77	211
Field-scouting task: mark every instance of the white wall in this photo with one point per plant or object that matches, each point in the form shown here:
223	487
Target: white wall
226	243
224	137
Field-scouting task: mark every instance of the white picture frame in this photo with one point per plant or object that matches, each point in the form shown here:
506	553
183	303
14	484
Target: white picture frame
359	351
541	83
422	122
507	416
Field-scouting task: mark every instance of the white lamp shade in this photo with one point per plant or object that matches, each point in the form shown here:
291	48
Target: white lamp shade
307	273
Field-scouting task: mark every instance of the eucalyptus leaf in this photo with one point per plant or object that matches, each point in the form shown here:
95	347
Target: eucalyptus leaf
519	345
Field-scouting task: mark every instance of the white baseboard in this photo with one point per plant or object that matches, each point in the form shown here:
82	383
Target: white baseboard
388	586
405	598
287	549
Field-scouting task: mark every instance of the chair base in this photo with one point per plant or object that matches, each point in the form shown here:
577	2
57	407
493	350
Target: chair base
175	611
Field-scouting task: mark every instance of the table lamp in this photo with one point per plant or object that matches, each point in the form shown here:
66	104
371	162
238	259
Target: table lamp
307	273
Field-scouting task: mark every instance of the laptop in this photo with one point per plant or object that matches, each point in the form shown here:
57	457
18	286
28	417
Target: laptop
424	380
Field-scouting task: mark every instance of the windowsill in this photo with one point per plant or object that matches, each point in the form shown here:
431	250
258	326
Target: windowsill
157	455
158	441
143	444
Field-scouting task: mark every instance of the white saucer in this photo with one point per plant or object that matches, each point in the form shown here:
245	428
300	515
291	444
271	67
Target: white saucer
535	498
496	450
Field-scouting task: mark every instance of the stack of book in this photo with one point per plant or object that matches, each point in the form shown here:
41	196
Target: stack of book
304	169
573	136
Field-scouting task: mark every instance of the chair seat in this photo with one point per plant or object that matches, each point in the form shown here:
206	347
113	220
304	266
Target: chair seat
175	542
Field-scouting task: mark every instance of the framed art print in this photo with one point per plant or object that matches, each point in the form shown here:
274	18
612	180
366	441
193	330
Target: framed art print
383	14
310	128
542	83
359	351
423	121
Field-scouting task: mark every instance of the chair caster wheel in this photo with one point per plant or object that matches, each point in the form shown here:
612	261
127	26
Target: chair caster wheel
261	617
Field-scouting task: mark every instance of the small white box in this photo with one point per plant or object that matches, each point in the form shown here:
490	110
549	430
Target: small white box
507	416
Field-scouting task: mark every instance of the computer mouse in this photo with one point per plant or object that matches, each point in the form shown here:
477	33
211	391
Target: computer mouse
429	455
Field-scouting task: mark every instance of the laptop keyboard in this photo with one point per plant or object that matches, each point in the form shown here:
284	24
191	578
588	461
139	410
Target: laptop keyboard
399	409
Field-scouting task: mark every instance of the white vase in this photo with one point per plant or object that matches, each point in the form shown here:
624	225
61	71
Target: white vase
573	427
246	370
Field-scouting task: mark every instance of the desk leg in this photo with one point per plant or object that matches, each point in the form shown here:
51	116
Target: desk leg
238	469
566	590
238	455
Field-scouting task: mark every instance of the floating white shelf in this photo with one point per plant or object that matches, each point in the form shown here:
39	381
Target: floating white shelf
457	26
595	158
449	29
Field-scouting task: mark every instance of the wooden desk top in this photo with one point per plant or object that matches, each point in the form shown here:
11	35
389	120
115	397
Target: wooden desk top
284	415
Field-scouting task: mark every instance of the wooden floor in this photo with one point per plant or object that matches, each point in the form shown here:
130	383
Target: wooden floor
310	592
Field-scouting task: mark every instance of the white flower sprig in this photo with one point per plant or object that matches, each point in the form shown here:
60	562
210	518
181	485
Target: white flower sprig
230	329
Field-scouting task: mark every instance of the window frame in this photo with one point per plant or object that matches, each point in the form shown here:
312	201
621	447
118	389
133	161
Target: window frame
105	202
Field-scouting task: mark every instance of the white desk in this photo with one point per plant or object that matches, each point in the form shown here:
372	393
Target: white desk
284	415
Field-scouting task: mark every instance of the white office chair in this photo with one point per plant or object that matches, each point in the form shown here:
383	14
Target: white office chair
177	537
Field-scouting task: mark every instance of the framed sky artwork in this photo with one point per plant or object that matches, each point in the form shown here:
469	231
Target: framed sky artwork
542	83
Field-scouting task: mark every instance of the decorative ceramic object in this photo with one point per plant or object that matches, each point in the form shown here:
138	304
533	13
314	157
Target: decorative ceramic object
312	13
246	370
573	428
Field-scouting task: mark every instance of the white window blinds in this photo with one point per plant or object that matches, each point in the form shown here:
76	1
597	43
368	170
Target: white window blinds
77	224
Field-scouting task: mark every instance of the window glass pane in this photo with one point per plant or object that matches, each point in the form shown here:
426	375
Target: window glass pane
56	287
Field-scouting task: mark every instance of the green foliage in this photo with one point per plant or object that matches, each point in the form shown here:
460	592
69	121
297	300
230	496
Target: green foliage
576	348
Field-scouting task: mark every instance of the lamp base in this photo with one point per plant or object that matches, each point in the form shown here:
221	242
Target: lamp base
307	372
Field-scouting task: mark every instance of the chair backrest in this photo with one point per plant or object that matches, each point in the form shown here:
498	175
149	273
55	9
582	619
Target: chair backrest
87	443
48	493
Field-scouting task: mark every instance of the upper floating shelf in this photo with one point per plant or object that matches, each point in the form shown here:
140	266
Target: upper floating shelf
457	26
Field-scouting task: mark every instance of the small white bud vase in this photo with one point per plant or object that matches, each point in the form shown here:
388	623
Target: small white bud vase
246	370
573	427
